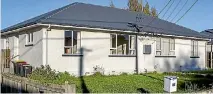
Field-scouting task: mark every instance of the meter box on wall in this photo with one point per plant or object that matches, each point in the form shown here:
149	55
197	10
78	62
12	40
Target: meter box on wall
147	49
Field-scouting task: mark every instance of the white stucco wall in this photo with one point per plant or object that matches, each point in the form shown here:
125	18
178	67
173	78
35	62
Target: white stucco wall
99	44
50	52
31	54
182	53
3	43
10	44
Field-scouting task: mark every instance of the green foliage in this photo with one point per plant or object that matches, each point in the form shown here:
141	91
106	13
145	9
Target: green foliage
134	5
146	9
124	73
97	83
154	12
97	74
43	73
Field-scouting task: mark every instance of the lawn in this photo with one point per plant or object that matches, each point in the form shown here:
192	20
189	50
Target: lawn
149	82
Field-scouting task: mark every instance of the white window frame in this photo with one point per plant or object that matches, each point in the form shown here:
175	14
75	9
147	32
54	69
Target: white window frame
29	38
72	45
158	50
162	47
194	48
116	43
171	50
132	49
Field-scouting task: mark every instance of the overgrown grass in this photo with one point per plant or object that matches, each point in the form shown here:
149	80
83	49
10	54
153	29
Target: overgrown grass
149	82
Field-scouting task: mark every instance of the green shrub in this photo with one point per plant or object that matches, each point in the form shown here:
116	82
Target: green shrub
97	74
128	83
124	73
44	73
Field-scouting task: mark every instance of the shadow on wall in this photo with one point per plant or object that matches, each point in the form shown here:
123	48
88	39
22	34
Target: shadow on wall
182	63
81	66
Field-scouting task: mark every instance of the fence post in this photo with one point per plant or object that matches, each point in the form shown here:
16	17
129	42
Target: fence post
69	88
23	85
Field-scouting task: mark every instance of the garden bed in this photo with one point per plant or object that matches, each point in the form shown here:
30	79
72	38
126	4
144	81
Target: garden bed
149	82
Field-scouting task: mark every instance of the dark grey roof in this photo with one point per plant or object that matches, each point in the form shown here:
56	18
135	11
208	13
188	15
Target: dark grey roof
209	34
80	14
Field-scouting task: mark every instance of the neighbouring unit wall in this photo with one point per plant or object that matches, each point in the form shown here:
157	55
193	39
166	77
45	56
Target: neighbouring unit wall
181	61
97	52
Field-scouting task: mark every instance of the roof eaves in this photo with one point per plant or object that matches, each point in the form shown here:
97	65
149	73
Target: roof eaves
37	19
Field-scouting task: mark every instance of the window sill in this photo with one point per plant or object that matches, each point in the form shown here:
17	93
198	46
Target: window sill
122	55
194	57
26	45
167	56
72	55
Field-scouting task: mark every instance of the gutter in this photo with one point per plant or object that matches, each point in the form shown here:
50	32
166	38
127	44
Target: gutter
20	29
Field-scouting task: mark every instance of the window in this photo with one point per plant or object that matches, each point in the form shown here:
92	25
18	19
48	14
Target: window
121	44
165	47
29	38
70	42
194	47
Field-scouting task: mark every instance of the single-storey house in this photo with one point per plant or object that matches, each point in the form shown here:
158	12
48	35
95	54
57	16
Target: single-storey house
106	40
209	33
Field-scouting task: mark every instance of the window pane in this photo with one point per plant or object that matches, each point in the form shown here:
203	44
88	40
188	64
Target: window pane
192	48
122	44
158	53
112	51
113	40
68	33
196	48
158	44
172	53
28	37
75	41
68	38
32	37
131	52
132	42
74	48
165	50
172	44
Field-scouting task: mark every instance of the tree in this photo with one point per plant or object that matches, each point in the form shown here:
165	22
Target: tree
146	9
134	5
140	6
112	4
154	12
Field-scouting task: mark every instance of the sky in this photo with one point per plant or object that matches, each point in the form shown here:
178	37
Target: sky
199	18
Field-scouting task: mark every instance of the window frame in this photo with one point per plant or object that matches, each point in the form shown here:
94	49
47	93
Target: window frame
116	43
194	48
162	47
72	44
29	38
